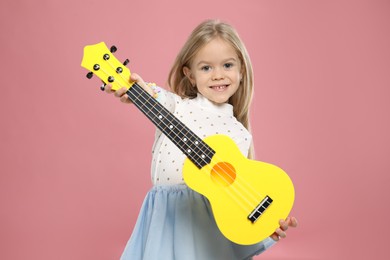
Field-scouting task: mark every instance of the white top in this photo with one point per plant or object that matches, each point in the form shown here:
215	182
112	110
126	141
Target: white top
204	118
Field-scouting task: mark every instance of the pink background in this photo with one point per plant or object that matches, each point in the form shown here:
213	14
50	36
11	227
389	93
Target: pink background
74	162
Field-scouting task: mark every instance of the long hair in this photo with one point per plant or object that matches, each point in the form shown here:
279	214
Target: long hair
200	36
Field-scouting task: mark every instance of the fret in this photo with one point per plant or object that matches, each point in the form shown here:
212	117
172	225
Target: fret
154	111
196	145
179	140
180	133
199	163
167	124
190	144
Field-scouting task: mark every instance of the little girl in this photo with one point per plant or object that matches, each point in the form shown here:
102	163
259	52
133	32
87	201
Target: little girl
212	84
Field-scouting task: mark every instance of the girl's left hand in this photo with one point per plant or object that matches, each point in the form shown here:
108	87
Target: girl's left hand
284	225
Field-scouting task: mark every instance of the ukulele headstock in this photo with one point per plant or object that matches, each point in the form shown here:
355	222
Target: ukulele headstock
99	60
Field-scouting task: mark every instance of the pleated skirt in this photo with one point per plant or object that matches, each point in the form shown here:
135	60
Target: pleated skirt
176	223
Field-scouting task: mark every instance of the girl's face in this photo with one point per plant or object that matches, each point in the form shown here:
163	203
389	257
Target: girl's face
216	71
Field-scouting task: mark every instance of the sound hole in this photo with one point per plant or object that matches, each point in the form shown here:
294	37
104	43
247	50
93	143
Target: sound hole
223	173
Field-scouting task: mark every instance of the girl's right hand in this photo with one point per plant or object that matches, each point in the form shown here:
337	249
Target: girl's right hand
121	93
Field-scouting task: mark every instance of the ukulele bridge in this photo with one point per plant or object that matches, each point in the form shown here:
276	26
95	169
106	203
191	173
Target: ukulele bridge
259	210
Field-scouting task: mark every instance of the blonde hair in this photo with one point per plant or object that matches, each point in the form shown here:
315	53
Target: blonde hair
200	36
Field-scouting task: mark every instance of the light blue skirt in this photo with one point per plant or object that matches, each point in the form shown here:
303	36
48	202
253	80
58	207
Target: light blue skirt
176	222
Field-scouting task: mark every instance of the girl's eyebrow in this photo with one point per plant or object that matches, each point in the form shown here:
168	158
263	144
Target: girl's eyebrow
223	61
230	59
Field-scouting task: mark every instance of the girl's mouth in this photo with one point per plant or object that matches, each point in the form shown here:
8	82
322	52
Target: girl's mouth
219	87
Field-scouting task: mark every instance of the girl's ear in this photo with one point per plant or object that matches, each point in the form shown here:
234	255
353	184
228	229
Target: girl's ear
188	73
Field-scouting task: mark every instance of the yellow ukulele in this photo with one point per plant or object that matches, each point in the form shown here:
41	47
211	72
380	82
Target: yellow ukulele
247	197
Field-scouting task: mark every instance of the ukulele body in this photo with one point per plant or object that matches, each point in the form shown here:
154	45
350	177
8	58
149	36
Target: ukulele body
236	186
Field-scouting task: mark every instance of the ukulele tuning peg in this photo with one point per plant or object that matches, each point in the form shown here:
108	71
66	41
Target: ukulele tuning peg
113	49
126	62
89	75
103	86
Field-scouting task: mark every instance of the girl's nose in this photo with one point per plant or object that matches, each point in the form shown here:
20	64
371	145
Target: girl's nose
217	74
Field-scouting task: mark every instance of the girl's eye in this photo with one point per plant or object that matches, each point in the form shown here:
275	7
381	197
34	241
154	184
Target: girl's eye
206	68
228	65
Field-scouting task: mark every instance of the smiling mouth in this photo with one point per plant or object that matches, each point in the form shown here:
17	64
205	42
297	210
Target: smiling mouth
219	87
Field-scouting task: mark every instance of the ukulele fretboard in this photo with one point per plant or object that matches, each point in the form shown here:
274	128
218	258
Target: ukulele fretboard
189	143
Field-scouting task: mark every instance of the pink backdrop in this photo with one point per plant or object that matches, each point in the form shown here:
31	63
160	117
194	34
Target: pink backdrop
75	163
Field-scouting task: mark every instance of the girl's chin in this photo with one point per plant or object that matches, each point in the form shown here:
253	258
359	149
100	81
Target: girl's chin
219	101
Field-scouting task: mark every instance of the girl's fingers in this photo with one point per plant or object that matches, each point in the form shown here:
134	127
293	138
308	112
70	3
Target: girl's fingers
275	237
125	99
136	78
294	222
284	224
120	92
108	89
279	233
289	222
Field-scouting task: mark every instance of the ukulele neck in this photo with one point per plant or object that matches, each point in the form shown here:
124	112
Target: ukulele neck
189	143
